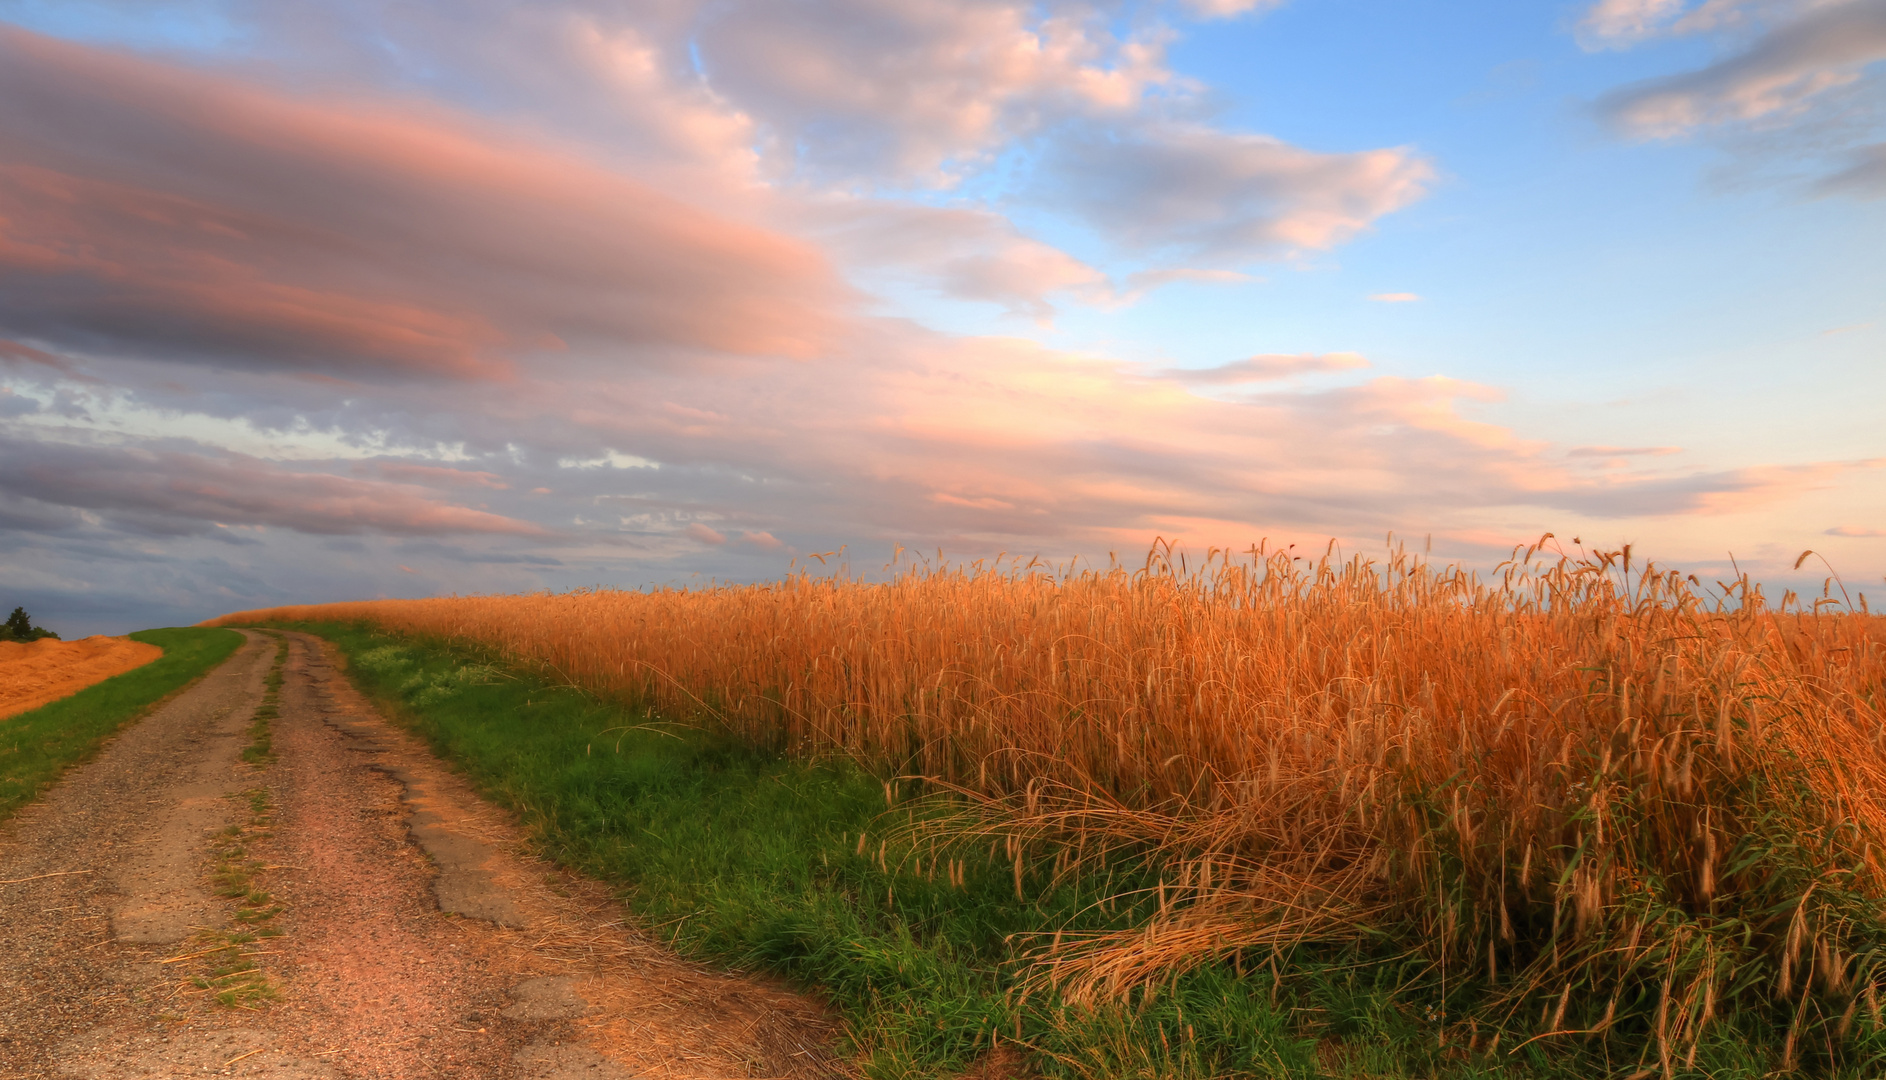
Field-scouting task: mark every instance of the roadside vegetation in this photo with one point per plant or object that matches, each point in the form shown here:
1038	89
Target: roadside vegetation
1268	816
37	746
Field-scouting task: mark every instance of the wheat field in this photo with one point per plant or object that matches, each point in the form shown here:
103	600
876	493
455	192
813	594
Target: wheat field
1612	794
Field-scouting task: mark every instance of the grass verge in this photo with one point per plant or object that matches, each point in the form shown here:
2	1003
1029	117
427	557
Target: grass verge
36	747
808	869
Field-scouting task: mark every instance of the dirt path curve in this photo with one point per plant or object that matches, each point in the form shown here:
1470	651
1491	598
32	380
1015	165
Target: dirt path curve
416	935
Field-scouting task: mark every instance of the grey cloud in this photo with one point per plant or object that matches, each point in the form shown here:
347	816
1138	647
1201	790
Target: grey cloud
1864	175
456	553
1778	75
26	515
13	404
1216	196
171	493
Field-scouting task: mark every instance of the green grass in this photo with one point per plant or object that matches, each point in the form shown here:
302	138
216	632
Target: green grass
36	747
741	856
261	748
231	971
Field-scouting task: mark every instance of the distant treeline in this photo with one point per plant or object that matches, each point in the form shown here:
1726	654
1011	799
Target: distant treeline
19	627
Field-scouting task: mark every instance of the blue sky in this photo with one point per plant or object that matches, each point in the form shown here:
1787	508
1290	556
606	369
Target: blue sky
317	301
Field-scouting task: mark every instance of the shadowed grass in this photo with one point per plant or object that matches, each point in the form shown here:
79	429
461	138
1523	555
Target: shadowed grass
36	747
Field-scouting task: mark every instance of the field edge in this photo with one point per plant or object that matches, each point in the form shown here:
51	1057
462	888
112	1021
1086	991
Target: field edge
40	745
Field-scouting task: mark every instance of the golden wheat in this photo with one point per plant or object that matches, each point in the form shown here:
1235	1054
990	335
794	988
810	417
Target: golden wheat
1554	775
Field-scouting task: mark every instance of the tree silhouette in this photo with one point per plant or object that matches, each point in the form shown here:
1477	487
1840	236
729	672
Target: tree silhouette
19	627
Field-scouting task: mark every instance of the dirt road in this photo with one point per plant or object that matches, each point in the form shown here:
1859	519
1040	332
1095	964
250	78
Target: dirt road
356	908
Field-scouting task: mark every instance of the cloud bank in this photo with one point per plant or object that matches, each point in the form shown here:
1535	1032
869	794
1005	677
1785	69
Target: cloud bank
574	293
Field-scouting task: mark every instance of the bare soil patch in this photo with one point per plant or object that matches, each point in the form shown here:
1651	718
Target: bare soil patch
35	673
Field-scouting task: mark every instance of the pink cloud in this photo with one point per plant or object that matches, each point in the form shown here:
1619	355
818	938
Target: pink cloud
1227	9
14	351
1267	367
1622	451
165	209
986	444
535	296
1855	531
1621	23
961	252
1753	488
437	476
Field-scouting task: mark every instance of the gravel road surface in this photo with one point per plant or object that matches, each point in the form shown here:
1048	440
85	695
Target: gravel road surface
413	934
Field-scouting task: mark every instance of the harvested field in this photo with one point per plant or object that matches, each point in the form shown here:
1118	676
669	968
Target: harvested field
1617	802
35	673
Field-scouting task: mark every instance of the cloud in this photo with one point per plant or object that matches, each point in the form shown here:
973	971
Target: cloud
436	476
1621	23
1864	175
1265	368
459	554
1200	193
913	89
1707	493
1394	297
1856	531
1141	282
1621	451
962	252
1776	77
974	254
170	213
1227	9
15	352
12	404
614	459
173	493
633	337
851	94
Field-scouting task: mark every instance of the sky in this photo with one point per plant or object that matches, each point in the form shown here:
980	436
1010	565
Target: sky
309	301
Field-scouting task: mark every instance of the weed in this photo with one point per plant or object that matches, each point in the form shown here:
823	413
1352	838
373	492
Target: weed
232	972
261	748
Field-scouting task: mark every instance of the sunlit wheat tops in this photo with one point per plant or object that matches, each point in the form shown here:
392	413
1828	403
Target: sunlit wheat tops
1574	780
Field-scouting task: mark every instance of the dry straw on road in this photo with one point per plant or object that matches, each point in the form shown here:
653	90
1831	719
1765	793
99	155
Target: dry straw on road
1576	779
